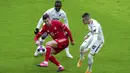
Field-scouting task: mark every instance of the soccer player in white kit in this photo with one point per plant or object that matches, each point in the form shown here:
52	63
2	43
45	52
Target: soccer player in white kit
55	13
93	42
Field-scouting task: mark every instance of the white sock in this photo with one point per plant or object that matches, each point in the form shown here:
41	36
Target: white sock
90	62
67	50
45	62
60	66
41	40
82	47
81	55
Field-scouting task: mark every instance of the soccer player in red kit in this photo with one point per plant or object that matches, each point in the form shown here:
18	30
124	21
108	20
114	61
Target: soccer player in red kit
60	34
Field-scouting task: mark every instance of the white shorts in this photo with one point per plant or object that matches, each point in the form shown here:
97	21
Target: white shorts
95	48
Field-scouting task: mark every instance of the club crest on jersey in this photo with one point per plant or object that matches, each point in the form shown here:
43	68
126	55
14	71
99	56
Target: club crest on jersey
48	31
55	18
55	28
94	30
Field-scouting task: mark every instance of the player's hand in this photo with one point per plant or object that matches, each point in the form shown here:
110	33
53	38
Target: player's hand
36	31
72	43
38	43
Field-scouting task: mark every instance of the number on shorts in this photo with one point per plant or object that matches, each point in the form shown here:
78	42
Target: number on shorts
93	47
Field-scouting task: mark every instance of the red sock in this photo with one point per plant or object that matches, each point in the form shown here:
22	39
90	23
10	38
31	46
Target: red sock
53	60
48	53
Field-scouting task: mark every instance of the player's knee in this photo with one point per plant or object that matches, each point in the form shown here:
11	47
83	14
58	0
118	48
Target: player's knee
82	47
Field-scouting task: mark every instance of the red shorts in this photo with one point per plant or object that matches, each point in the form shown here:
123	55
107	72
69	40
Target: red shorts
62	44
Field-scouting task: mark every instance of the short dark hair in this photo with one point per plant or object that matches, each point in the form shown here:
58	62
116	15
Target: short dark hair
45	16
85	15
58	1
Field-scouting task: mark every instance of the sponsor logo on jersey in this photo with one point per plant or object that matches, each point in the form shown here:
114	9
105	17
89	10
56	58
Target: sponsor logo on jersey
55	28
59	14
56	19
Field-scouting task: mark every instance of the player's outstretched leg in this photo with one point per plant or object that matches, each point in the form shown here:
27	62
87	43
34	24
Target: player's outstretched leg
81	56
68	53
49	49
47	55
53	60
83	47
90	63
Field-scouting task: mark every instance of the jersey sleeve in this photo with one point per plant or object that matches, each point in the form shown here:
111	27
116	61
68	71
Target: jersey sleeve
64	16
65	28
39	23
43	30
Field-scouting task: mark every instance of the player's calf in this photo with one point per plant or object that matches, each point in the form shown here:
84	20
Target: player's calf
90	62
68	53
83	48
53	60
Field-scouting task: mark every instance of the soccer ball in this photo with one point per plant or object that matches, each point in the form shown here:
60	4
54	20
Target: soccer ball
40	50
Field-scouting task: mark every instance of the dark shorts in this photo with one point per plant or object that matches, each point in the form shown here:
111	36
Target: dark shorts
62	44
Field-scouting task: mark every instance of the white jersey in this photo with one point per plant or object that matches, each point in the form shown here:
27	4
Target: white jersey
54	15
95	40
95	28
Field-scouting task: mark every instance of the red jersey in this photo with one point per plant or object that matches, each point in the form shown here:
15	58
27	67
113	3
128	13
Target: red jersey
56	30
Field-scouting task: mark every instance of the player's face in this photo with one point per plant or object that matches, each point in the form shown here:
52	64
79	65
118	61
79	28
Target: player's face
58	7
86	20
47	22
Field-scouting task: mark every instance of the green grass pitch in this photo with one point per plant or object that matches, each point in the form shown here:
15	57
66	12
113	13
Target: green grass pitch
18	19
